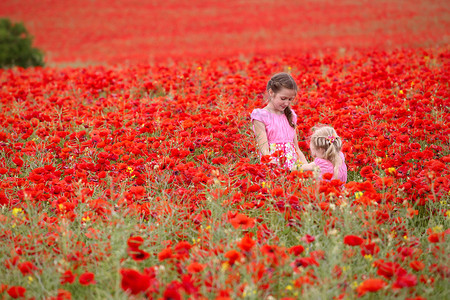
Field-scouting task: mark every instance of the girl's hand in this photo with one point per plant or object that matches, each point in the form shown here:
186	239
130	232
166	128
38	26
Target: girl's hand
298	166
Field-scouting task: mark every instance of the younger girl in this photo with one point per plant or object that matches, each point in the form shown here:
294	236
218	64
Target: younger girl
274	125
326	148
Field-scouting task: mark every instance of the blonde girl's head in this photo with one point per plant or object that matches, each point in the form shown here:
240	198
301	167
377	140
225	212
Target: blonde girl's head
325	141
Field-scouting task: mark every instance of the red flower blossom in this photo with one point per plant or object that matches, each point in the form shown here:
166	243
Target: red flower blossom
405	280
182	246
135	242
242	221
165	254
87	278
370	285
436	237
195	267
16	292
296	250
367	172
67	277
353	240
302	280
305	262
417	265
138	254
246	243
389	269
62	295
328	176
277	192
369	248
172	291
232	256
309	238
18	161
134	282
9	263
26	268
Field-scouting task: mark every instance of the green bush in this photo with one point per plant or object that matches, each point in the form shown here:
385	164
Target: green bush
16	48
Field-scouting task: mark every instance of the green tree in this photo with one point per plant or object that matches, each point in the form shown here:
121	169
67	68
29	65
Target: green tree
16	46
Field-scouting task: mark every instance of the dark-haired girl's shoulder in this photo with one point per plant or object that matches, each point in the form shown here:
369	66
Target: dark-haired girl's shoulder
260	114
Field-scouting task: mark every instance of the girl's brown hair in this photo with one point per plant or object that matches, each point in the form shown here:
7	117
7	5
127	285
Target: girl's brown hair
326	138
279	81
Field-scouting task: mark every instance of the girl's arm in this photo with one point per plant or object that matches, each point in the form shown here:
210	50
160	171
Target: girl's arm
261	137
300	154
309	167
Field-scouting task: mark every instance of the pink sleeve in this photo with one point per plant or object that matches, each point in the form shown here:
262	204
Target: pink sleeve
324	165
259	115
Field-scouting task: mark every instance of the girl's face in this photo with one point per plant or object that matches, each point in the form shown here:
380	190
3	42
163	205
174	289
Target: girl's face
279	101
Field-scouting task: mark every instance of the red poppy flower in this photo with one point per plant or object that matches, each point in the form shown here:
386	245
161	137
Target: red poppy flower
308	238
436	237
296	250
232	256
302	280
367	172
3	288
18	161
134	282
277	192
182	246
242	221
67	277
406	280
9	263
26	268
138	254
353	240
265	159
305	261
16	292
370	285
195	267
87	278
172	291
165	254
253	188
328	176
62	295
389	269
417	265
246	243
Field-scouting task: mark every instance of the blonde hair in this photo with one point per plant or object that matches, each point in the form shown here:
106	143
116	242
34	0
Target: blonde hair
326	138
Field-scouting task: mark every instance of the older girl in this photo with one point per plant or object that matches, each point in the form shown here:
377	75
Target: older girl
274	124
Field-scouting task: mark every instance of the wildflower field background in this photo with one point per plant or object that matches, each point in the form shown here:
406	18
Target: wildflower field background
128	166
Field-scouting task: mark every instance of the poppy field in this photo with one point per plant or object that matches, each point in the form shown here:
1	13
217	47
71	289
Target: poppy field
143	181
93	32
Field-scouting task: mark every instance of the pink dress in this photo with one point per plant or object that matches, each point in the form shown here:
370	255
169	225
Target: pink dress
327	167
280	134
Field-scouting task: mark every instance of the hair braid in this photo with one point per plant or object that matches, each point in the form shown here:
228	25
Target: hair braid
326	138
